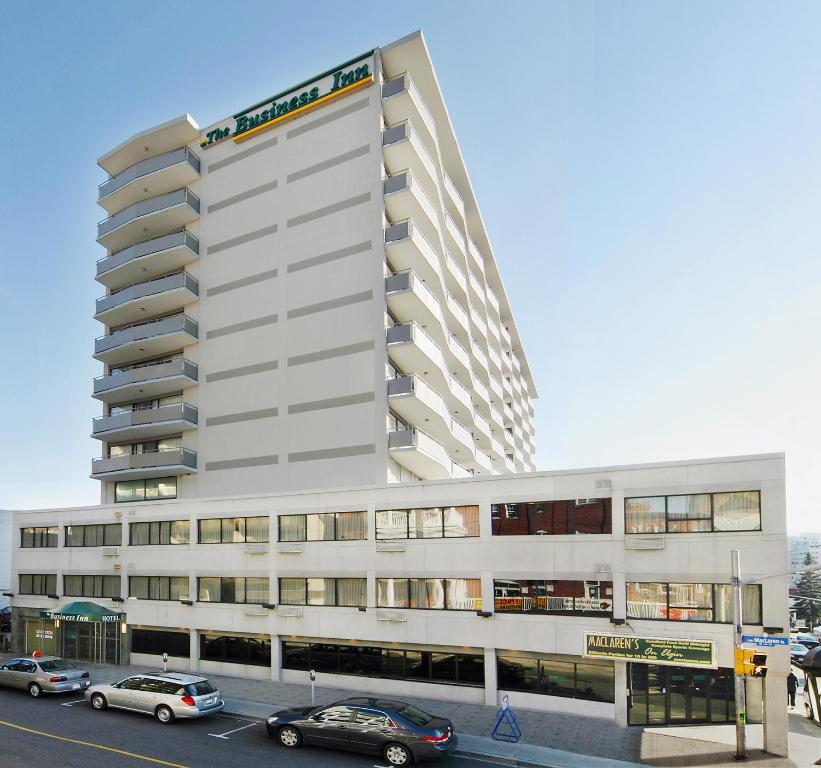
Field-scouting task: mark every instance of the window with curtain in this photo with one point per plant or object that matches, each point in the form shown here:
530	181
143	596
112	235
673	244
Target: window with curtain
109	534
233	530
220	589
430	523
323	526
429	594
339	592
159	532
38	537
703	602
694	513
91	586
38	583
145	490
158	587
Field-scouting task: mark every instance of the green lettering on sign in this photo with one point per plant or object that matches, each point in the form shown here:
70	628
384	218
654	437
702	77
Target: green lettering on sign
676	651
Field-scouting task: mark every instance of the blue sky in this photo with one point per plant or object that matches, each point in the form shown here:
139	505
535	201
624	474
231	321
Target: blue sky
648	173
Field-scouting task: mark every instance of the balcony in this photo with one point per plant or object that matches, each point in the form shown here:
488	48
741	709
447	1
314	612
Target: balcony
133	466
417	402
145	424
157	296
408	248
149	218
146	381
152	338
401	100
454	196
151	258
406	199
478	260
480	357
455	239
403	149
150	143
423	455
409	298
461	327
149	178
455	277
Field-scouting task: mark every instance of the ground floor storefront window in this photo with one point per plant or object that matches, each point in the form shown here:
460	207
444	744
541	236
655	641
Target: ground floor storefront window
553	675
668	695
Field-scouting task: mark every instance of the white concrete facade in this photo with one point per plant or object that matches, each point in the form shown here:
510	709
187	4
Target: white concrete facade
330	310
617	557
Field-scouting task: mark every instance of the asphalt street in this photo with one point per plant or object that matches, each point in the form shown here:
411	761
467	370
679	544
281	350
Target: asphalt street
64	731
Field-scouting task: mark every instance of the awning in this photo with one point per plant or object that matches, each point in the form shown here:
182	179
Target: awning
82	612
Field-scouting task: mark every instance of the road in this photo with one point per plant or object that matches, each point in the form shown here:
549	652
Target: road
64	731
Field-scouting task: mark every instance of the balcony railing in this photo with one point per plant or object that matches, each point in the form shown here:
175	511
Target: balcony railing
146	207
148	288
139	462
145	416
146	330
145	167
155	245
146	372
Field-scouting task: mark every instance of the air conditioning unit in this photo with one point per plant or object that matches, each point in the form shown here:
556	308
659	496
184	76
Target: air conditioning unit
644	542
390	546
388	614
256	549
289	611
255	610
111	551
289	547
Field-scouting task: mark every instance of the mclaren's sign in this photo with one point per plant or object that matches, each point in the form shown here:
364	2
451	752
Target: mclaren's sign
350	76
654	650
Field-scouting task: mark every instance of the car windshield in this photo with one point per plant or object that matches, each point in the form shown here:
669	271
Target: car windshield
201	688
415	715
56	665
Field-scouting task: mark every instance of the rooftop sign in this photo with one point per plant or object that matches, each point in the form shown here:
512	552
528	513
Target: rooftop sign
656	650
296	101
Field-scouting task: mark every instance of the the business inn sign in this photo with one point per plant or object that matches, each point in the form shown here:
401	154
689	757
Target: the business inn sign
350	76
655	650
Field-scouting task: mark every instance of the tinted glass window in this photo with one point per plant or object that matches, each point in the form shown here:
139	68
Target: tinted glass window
415	715
335	715
202	688
56	666
371	717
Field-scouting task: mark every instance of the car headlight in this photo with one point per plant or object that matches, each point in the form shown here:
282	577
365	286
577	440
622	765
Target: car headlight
271	720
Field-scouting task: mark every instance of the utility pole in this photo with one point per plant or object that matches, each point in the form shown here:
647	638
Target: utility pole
740	692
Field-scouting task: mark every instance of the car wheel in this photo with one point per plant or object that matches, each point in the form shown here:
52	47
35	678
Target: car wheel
35	690
164	715
98	701
396	754
289	737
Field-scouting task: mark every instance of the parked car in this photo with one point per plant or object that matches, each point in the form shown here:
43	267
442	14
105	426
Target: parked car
400	733
166	695
807	640
798	652
44	674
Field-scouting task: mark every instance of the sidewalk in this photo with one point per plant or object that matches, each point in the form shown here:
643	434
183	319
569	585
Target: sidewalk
548	739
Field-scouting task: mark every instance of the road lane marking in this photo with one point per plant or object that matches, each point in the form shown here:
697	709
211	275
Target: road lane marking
228	733
91	744
70	703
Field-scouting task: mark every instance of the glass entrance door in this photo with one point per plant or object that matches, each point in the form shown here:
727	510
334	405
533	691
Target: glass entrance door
667	695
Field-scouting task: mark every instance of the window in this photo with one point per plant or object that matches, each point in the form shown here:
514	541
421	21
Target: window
162	532
691	602
552	518
560	598
233	530
390	663
431	594
109	534
565	676
158	587
235	650
157	642
146	490
219	589
38	537
694	513
91	586
433	523
319	591
38	583
325	526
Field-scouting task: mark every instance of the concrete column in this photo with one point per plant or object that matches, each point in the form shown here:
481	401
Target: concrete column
619	596
371	576
491	685
776	719
276	658
488	602
194	650
485	524
620	686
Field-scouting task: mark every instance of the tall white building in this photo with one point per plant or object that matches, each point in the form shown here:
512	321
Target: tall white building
304	295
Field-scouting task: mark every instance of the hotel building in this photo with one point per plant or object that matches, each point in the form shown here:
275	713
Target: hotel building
318	426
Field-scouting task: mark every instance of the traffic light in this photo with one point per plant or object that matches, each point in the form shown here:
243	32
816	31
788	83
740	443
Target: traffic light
750	663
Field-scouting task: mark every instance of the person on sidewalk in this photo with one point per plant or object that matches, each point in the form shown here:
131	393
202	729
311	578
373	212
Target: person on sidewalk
792	687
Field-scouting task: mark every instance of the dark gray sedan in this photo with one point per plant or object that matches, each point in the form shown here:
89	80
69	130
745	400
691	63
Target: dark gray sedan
44	674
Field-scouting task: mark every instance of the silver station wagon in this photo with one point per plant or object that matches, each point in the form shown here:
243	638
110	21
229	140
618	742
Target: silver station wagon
44	674
166	695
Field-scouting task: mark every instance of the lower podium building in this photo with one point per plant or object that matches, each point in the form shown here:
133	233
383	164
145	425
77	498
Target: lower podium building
600	591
